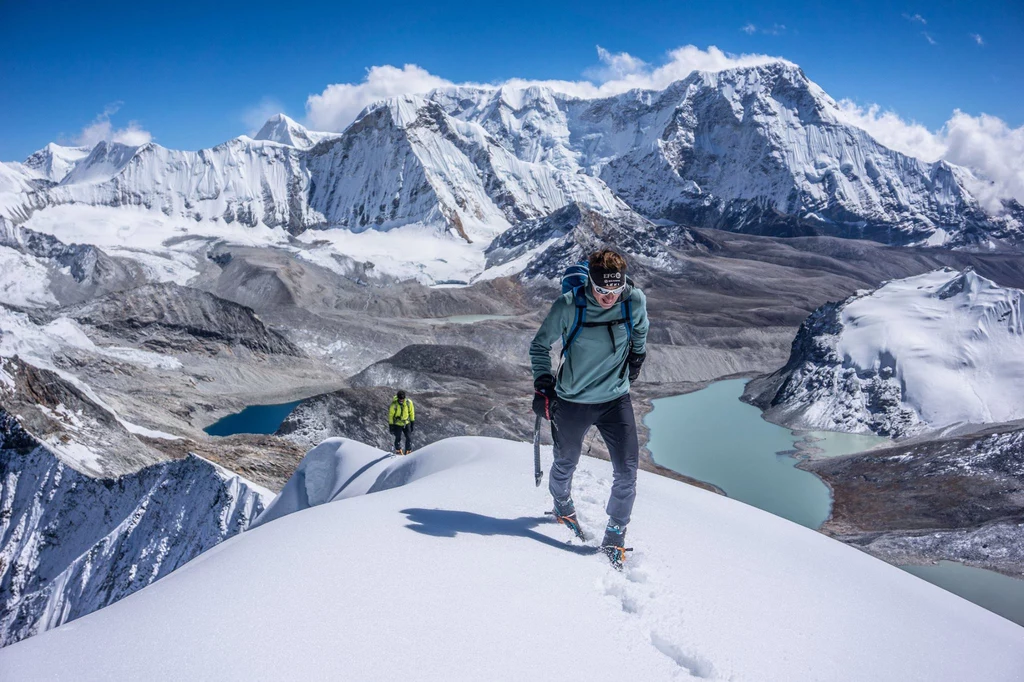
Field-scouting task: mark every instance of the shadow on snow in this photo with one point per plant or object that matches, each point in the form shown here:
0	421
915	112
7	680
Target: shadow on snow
446	523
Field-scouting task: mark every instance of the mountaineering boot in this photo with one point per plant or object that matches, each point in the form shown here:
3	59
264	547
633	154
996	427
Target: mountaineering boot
398	451
614	544
565	513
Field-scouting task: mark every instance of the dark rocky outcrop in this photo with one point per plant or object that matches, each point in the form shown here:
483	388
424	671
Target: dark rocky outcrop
958	499
172	317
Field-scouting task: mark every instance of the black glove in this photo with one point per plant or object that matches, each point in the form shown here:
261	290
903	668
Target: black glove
635	362
544	396
411	425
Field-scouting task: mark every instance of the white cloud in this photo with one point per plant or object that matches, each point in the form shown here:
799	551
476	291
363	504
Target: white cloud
977	38
615	66
993	148
928	37
773	30
888	128
915	18
337	106
255	116
102	130
985	144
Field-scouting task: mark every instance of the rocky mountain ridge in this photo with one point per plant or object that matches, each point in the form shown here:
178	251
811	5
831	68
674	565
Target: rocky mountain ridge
71	544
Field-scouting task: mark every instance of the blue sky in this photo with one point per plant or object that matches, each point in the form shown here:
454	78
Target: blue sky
194	74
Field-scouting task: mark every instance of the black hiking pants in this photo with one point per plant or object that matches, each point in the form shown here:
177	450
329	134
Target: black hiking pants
398	431
615	420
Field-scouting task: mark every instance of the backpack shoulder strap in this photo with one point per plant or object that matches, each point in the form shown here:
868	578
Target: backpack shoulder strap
627	316
579	296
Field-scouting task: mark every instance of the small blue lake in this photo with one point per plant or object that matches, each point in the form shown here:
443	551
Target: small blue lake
263	419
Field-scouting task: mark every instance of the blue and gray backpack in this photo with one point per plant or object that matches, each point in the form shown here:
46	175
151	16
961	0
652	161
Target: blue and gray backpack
575	279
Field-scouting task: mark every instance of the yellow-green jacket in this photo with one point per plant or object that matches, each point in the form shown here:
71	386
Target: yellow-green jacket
401	414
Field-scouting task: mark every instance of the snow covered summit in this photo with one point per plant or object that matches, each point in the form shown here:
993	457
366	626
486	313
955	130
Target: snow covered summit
449	570
280	128
925	352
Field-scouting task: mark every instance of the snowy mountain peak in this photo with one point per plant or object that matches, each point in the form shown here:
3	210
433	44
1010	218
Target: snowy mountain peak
106	160
926	352
758	149
281	128
53	162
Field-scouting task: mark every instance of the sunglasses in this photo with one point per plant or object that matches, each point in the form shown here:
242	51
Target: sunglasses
606	292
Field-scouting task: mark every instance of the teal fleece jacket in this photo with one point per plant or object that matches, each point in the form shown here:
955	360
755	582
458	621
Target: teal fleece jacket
590	371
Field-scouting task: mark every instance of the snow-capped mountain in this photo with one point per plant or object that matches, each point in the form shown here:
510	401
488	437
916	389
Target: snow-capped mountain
926	352
71	544
280	128
447	570
757	149
53	162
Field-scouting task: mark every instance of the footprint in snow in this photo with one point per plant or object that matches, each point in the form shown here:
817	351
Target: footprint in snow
696	666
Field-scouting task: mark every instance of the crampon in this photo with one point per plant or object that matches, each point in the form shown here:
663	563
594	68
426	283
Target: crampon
571	522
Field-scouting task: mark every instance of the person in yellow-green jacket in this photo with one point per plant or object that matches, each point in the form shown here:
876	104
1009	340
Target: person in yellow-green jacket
401	420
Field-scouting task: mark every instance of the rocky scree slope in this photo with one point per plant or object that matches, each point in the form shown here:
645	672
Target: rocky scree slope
957	499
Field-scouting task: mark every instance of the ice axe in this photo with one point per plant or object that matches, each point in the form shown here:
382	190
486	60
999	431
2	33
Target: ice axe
537	473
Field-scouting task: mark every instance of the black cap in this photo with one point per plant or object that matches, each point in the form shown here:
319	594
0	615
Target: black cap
401	395
607	279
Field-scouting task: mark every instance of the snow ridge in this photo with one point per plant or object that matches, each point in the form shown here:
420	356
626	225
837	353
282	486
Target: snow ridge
693	596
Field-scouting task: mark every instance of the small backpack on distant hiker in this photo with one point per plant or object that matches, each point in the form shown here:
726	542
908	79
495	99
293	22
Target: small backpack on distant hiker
401	421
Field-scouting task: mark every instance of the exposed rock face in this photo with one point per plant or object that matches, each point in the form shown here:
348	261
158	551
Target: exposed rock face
169	316
959	499
71	544
574	232
76	429
453	361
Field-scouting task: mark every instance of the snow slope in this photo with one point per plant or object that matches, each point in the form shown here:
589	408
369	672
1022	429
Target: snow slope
925	352
450	571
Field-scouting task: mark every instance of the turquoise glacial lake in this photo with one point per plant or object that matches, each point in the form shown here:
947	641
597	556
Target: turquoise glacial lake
714	437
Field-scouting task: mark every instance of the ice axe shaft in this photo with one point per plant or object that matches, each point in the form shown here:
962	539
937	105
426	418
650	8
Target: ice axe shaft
537	473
